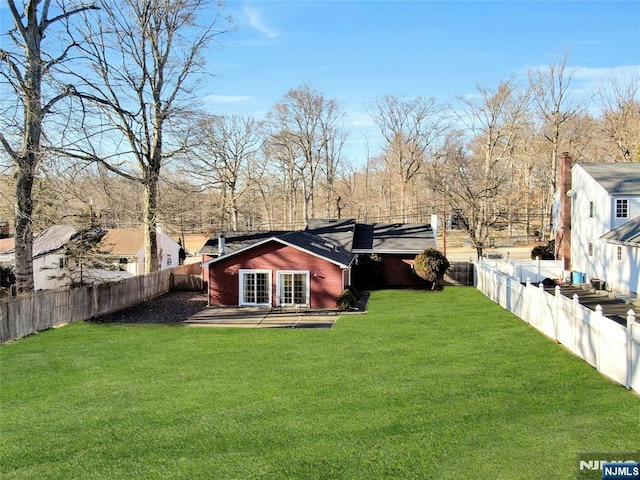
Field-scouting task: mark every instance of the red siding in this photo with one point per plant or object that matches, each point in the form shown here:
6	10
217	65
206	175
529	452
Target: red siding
398	271
325	278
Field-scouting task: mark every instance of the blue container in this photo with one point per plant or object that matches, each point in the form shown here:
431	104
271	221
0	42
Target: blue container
578	277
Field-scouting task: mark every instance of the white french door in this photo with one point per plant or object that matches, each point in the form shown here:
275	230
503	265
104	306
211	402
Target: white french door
293	288
255	287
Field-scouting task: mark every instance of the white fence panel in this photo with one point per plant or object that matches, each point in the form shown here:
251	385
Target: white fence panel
587	343
606	345
634	360
612	354
566	322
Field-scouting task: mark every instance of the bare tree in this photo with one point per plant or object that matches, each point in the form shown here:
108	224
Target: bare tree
305	133
621	116
551	92
411	129
143	55
30	71
225	157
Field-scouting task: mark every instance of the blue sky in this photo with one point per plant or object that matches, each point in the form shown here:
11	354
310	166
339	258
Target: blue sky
357	51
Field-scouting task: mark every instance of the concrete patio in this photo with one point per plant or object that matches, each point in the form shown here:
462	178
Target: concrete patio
262	317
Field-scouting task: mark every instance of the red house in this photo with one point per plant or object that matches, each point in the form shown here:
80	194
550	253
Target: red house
307	268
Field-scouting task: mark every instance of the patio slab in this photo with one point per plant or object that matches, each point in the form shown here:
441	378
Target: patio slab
259	317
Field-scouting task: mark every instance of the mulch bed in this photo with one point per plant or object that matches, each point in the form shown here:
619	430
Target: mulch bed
172	307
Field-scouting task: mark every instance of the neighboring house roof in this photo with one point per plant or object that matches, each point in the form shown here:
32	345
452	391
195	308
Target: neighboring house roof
615	178
627	233
7	244
123	241
52	239
400	238
301	240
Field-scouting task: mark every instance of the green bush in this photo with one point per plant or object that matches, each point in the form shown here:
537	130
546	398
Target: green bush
354	290
346	300
431	265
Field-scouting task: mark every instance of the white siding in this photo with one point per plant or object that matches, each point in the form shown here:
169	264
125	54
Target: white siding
619	275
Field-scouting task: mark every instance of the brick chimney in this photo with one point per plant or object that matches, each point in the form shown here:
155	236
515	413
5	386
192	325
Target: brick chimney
563	237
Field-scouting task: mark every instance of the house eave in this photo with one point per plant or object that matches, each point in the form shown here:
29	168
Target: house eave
386	252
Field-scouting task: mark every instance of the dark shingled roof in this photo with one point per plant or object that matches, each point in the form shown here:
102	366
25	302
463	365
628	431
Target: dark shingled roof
628	233
615	178
318	246
314	244
408	238
339	232
336	240
237	240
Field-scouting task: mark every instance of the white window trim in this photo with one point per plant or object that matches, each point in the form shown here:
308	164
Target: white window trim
308	286
241	274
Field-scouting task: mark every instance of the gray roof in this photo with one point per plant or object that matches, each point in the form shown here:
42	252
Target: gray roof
335	240
339	231
318	246
627	233
314	244
237	240
400	238
52	239
616	178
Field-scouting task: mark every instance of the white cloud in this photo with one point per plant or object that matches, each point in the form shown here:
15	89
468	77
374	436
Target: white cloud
257	22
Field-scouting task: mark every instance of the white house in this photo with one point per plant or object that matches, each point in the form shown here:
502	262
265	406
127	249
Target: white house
124	248
126	245
605	224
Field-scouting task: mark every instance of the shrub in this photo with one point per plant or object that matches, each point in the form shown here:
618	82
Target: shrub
545	252
431	265
354	290
346	300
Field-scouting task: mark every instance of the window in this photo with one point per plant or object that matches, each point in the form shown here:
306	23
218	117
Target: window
64	262
590	249
255	287
590	209
619	253
293	288
622	208
168	260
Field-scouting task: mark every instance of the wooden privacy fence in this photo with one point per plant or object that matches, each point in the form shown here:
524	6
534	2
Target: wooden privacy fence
187	278
33	312
459	273
611	348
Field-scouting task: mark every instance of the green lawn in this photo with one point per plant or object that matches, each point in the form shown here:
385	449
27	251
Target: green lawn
427	385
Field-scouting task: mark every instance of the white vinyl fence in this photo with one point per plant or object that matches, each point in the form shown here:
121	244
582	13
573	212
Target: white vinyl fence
606	345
